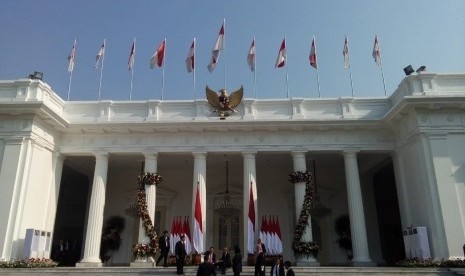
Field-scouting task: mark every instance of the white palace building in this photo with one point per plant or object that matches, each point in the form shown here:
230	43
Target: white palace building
395	166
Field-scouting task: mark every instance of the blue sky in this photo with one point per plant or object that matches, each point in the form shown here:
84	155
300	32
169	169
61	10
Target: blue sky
38	36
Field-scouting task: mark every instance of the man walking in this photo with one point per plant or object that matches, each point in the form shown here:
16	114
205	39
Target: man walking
180	251
164	243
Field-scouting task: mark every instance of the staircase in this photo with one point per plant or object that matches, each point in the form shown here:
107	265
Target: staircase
247	271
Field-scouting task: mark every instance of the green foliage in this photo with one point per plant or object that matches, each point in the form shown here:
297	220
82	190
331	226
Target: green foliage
30	263
431	263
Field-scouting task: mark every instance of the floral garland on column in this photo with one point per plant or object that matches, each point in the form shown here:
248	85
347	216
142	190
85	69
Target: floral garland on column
300	247
140	249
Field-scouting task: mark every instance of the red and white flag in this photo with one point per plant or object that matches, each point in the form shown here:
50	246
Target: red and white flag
132	56
190	60
251	223
158	57
100	55
216	50
251	56
376	52
187	233
281	60
312	56
172	244
197	237
279	247
345	53
71	57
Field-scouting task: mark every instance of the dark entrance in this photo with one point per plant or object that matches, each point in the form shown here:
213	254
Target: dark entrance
387	209
70	217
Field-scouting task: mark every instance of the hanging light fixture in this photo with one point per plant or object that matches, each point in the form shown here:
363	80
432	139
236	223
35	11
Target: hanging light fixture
226	209
320	209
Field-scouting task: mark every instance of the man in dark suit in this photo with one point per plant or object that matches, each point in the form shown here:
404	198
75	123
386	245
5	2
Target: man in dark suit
260	260
277	269
210	256
164	244
225	260
180	251
288	269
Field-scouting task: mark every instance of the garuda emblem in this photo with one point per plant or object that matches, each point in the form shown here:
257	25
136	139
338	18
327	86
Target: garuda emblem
222	103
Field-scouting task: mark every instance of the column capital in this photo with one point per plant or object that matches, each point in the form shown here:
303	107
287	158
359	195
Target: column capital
350	152
101	155
249	153
150	154
298	153
199	154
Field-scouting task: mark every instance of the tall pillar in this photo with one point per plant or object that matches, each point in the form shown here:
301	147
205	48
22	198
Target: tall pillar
402	193
150	195
54	192
356	214
200	176
299	190
250	176
95	218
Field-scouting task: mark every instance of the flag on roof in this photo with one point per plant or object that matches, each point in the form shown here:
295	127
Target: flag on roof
281	60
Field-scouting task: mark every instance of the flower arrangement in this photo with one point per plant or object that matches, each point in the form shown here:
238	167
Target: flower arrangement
29	263
142	211
299	247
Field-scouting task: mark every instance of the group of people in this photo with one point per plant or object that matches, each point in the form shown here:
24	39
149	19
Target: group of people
210	264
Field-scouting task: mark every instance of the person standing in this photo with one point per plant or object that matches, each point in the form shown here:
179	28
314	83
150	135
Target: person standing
288	269
164	243
277	269
260	258
225	261
237	261
180	251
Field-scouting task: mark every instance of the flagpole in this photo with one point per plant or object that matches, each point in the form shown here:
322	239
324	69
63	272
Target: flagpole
351	81
163	71
69	84
224	50
382	75
132	66
73	52
317	72
101	68
193	75
287	72
255	69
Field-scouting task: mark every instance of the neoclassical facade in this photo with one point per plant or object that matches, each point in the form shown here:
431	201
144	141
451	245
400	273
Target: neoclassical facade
388	163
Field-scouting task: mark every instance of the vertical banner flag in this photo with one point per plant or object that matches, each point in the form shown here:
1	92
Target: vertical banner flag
345	53
251	223
251	56
190	60
131	56
281	60
71	57
280	241
376	52
172	244
312	56
100	55
197	237
216	50
187	232
158	56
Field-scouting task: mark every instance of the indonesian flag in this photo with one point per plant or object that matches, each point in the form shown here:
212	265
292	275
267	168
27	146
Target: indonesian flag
216	50
279	247
131	56
197	237
100	55
312	56
251	56
345	53
190	60
275	236
376	52
172	237
187	232
158	56
71	57
281	60
251	223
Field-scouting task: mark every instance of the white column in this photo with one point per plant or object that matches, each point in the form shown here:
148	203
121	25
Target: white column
95	218
356	214
54	192
200	176
250	176
402	193
150	195
299	192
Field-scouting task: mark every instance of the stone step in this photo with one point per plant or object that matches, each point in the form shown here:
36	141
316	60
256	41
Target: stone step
247	271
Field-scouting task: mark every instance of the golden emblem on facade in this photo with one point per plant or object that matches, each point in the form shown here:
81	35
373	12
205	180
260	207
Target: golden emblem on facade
222	103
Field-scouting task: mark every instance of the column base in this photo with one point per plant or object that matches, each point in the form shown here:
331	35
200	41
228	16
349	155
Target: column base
89	264
141	265
363	263
309	262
